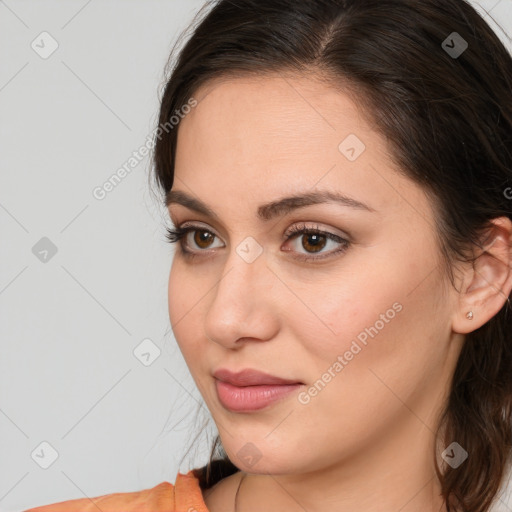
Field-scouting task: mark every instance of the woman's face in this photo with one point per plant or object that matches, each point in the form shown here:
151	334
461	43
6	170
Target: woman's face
364	325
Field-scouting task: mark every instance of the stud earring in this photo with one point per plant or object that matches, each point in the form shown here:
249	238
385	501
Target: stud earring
469	315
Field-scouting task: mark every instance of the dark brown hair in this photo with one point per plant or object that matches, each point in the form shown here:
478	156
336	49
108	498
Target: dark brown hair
448	123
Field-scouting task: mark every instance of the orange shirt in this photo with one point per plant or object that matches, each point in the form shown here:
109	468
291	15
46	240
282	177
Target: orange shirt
184	496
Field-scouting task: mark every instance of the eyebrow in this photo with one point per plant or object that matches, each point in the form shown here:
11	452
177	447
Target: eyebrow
270	210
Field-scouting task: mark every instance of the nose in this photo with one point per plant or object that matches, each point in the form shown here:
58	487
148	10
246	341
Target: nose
242	307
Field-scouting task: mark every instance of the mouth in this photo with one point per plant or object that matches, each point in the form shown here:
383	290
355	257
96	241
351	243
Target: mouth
251	390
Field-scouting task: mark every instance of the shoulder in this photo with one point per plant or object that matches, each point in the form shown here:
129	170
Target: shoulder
221	496
164	497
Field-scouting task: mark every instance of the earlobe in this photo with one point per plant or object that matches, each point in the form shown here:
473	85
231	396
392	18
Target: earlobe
488	282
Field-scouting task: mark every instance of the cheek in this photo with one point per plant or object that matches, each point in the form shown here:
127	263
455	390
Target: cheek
354	379
386	342
177	297
344	309
184	300
366	335
372	324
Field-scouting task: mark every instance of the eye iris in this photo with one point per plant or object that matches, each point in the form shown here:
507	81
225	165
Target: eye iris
318	241
199	240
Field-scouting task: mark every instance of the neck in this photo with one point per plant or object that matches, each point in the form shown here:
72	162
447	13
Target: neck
392	475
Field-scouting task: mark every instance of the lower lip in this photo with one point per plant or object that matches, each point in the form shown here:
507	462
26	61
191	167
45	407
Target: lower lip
251	398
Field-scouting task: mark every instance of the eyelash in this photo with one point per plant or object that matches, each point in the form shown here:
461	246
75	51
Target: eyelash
178	234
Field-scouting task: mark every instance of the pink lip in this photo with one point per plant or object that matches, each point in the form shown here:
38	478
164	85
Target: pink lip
250	390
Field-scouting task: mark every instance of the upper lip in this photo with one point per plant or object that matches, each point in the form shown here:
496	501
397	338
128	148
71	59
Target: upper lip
250	377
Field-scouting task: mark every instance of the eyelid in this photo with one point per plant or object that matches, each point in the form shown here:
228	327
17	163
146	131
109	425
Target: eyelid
196	225
292	233
295	227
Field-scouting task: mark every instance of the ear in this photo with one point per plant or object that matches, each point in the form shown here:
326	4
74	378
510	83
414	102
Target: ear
487	283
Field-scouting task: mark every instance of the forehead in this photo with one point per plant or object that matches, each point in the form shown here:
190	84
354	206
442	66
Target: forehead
252	139
274	110
266	123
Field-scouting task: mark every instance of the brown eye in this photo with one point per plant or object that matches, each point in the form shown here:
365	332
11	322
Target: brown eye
203	238
308	241
313	242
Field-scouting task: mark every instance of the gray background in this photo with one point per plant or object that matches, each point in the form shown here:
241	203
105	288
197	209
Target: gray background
70	321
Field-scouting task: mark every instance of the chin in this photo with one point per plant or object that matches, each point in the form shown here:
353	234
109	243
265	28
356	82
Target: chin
260	457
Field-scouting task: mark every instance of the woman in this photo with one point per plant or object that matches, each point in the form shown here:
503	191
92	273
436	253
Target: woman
339	175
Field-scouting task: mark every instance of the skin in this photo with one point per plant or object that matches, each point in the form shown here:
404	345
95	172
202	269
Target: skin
366	440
